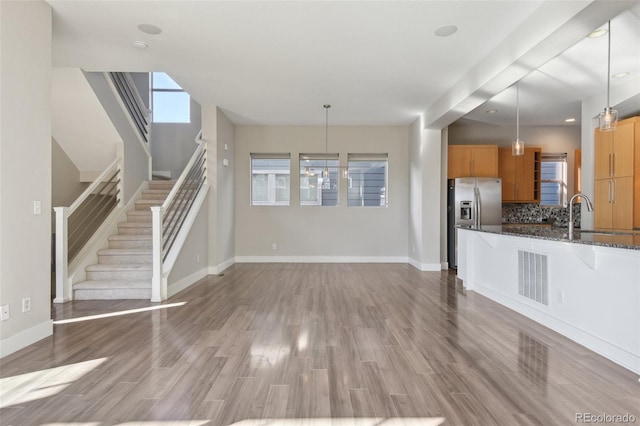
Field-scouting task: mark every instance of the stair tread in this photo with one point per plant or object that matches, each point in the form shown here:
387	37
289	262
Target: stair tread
135	224
106	267
133	237
124	251
112	284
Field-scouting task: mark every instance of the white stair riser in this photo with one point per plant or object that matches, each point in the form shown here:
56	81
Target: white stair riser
119	275
113	294
120	259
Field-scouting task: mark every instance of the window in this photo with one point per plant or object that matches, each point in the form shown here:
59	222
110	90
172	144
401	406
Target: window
270	179
367	180
170	103
316	189
553	182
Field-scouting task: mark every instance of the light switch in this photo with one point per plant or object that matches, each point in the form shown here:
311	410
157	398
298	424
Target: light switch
37	207
225	162
226	147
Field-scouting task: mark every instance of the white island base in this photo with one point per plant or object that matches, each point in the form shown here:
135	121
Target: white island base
588	293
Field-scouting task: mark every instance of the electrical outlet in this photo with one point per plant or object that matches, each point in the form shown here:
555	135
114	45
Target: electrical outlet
561	296
26	304
4	312
37	207
274	246
197	258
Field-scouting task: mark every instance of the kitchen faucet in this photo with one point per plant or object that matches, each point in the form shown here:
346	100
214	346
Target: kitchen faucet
589	208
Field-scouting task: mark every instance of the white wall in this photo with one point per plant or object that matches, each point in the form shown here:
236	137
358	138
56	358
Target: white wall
415	194
310	233
25	171
549	138
65	178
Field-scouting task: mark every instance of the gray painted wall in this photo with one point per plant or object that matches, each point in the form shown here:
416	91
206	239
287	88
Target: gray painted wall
25	171
225	188
323	231
173	144
136	159
65	179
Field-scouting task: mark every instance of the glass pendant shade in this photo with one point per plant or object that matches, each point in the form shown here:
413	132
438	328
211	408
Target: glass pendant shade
517	147
325	172
608	119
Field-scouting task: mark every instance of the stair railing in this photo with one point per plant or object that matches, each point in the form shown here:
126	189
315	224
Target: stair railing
167	219
132	101
76	224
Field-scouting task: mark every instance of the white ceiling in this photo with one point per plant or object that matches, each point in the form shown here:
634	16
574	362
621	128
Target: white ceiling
376	62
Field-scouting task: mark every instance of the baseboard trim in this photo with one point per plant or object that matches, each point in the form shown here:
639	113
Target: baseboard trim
25	338
186	282
320	259
215	270
425	267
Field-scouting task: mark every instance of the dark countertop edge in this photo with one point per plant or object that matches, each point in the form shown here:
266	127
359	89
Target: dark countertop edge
578	240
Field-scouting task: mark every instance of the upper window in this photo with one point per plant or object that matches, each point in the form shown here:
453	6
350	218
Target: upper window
367	180
170	103
553	182
270	179
319	180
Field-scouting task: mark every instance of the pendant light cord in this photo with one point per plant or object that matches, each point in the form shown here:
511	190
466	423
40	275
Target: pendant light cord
518	112
609	65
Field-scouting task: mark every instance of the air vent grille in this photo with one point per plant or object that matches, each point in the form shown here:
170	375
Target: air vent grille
533	275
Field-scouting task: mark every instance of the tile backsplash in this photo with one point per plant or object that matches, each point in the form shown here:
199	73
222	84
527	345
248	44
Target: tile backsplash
535	213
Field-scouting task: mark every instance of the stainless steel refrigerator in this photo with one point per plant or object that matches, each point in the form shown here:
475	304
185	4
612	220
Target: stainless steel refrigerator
472	202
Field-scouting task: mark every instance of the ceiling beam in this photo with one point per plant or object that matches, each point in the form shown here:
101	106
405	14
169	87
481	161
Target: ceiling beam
535	42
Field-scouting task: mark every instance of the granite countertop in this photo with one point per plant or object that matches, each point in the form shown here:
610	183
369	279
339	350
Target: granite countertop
617	239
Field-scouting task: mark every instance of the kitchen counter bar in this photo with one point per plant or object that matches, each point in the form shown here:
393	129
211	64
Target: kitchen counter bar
587	288
617	239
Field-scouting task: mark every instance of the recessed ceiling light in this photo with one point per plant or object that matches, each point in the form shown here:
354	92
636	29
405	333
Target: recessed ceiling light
150	29
597	33
620	75
491	111
446	31
140	44
569	120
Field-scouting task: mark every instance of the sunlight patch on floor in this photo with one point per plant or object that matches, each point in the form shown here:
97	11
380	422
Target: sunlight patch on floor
362	421
115	314
40	384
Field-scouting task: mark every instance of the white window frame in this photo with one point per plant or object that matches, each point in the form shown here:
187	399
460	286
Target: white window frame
333	169
555	158
382	157
274	180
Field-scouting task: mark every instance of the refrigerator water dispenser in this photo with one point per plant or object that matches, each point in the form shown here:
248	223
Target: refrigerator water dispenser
465	210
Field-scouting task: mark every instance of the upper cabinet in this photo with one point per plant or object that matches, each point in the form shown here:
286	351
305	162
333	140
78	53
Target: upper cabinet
616	176
614	151
472	161
520	175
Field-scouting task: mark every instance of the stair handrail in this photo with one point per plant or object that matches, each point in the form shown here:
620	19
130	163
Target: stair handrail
110	175
182	194
132	101
97	182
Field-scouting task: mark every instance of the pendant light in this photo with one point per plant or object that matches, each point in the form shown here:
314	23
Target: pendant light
609	117
325	172
517	147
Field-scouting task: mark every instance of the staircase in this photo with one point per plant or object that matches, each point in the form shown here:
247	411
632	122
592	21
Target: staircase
123	270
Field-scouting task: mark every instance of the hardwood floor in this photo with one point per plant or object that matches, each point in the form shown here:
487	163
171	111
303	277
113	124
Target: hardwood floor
304	343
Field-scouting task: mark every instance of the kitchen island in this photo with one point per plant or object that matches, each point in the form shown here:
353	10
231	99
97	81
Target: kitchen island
586	288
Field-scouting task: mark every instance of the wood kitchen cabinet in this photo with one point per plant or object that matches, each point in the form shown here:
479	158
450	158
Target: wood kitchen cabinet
520	175
472	161
616	165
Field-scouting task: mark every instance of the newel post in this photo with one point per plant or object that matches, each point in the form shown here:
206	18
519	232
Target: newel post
157	291
63	288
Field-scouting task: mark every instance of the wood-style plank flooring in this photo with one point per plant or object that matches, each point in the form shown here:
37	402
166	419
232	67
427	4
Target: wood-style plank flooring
312	344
